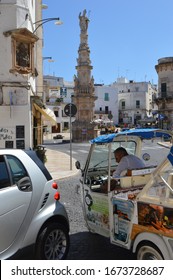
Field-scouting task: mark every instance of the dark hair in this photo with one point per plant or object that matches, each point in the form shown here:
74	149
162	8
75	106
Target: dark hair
121	150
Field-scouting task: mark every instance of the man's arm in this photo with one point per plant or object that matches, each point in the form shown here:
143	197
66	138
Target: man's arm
123	165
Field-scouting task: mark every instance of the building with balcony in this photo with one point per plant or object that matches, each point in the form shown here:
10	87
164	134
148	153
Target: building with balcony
123	102
57	94
136	102
164	100
21	86
106	104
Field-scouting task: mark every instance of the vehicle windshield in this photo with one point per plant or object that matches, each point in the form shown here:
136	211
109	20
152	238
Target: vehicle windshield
100	155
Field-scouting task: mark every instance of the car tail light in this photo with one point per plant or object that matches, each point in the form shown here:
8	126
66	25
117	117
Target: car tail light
57	196
55	185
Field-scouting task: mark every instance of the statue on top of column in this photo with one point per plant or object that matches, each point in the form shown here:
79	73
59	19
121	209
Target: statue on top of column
83	22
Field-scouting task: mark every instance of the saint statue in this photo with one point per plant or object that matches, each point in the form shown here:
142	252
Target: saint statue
83	22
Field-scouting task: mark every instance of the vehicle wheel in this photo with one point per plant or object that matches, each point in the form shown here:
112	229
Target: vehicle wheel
149	252
53	243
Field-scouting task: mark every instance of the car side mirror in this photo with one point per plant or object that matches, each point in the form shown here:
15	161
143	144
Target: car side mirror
77	164
24	184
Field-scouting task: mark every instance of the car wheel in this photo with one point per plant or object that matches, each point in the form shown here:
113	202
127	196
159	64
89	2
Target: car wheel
148	252
53	242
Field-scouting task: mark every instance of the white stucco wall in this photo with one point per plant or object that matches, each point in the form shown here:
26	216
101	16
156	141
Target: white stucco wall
10	116
112	103
14	94
132	92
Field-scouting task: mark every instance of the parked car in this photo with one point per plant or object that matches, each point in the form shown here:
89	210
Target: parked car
58	136
30	210
137	213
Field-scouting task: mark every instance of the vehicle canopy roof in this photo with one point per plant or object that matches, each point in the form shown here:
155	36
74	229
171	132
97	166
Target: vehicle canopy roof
145	133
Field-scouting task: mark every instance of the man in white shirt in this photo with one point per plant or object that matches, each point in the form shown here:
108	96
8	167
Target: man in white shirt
126	162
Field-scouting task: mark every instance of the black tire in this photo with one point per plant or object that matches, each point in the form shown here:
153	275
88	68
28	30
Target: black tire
53	242
148	251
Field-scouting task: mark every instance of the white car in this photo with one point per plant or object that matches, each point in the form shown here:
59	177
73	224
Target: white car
30	211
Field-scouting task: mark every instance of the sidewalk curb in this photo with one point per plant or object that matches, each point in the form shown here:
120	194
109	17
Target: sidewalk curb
64	176
58	164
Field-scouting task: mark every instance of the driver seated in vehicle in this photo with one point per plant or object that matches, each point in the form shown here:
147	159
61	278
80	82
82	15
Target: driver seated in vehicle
125	162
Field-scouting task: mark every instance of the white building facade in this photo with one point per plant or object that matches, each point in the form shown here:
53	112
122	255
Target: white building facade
20	74
106	104
124	102
16	85
135	102
57	94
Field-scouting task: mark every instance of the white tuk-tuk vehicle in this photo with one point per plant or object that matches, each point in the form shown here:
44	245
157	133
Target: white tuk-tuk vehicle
138	213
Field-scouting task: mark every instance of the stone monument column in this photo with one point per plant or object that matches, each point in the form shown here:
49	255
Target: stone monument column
84	97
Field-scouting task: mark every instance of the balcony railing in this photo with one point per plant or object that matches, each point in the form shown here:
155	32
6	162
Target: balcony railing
101	112
165	95
58	101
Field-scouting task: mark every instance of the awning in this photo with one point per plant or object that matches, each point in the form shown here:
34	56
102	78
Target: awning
47	113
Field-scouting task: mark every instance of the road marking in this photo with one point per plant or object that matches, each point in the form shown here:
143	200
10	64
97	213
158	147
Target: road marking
77	152
83	151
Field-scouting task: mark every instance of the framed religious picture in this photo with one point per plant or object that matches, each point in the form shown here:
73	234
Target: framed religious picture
23	54
23	42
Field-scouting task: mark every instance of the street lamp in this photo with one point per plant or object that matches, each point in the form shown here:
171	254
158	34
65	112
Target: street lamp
47	57
43	21
44	6
50	61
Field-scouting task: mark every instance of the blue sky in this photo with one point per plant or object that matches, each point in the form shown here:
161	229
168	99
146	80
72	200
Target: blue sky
125	37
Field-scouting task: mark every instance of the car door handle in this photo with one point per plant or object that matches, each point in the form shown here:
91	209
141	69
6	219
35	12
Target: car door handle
25	184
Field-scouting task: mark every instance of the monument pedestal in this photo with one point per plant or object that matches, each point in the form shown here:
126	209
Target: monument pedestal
83	131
